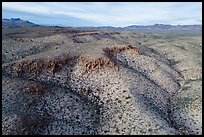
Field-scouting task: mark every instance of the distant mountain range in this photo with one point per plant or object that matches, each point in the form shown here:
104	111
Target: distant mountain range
155	27
17	22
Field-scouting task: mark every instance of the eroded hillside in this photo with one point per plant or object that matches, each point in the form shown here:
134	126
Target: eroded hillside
69	81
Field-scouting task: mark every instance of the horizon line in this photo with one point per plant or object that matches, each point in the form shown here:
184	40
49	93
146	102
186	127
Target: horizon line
61	25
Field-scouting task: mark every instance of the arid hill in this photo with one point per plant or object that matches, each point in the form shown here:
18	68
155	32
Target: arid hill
65	81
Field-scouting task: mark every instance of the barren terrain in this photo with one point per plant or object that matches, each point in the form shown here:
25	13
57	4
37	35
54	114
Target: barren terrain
67	81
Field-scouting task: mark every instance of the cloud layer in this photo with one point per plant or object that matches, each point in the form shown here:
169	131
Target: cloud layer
105	13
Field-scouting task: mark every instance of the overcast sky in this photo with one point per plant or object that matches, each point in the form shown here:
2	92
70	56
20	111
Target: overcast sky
105	13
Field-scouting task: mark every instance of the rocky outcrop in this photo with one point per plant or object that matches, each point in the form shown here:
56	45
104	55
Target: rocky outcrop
133	51
96	64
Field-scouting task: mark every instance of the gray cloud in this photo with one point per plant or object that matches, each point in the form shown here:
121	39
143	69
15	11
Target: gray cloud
115	14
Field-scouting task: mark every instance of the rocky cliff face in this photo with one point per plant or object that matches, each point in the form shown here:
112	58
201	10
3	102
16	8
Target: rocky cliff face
93	83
